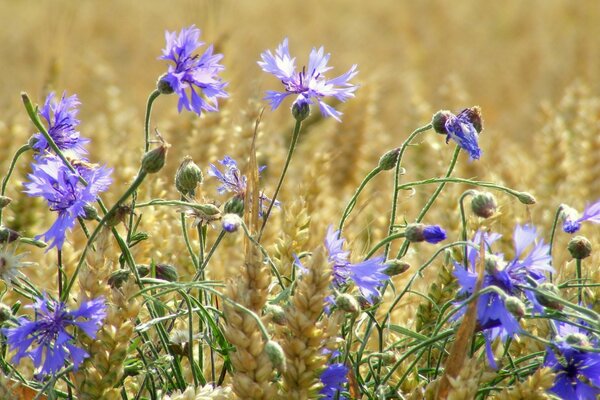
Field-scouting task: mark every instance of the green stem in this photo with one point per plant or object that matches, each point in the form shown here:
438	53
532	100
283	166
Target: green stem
60	272
397	179
384	242
554	224
151	99
293	143
18	153
352	201
579	279
463	220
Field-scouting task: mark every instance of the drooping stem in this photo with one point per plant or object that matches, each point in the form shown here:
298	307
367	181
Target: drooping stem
18	153
293	143
352	201
463	219
151	99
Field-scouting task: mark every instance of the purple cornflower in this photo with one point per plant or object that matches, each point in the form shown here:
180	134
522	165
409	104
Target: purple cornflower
308	84
333	379
51	179
425	233
199	74
572	219
460	128
366	275
493	317
61	117
233	181
573	363
54	345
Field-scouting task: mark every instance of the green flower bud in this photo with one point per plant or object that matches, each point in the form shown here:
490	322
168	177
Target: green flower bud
276	355
154	160
234	205
231	222
493	263
143	270
90	212
166	272
5	313
483	204
347	303
188	176
515	306
163	86
395	267
118	278
544	299
4	201
7	235
439	121
300	110
579	247
389	159
526	198
277	313
577	339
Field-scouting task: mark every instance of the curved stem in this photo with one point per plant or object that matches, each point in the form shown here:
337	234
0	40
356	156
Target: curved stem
463	220
151	99
18	153
293	143
352	201
385	241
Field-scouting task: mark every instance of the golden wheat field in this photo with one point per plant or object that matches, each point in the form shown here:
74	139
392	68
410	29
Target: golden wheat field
267	315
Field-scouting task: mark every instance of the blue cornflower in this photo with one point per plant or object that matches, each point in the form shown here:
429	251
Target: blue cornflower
366	275
48	333
425	233
51	179
233	181
460	128
572	221
308	84
333	379
493	317
61	117
573	364
199	74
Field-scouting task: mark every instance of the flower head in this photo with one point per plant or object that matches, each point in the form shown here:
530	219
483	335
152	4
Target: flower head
493	316
572	220
193	78
460	128
49	333
425	233
366	275
333	379
573	364
309	84
233	181
52	180
61	117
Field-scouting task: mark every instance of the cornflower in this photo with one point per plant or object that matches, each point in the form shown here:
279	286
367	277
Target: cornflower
193	78
61	117
310	83
60	187
572	219
48	334
493	316
333	379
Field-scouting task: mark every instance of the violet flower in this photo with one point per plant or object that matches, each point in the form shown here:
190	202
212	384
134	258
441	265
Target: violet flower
193	78
48	336
333	379
572	220
460	128
52	180
309	84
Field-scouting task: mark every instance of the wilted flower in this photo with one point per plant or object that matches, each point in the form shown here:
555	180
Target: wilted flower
199	74
333	379
308	84
493	317
463	128
48	333
11	262
233	181
61	117
51	179
572	220
573	364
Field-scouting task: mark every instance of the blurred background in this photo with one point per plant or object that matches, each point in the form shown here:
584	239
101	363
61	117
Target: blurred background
533	67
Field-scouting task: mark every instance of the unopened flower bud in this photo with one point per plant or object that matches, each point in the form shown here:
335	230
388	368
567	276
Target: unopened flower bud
276	355
389	159
231	222
166	272
395	267
474	115
439	121
483	204
577	339
188	176
277	313
234	205
579	247
90	212
493	263
4	201
7	235
389	358
154	160
5	313
526	198
163	86
300	110
545	299
347	303
425	233
118	278
515	306
142	270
